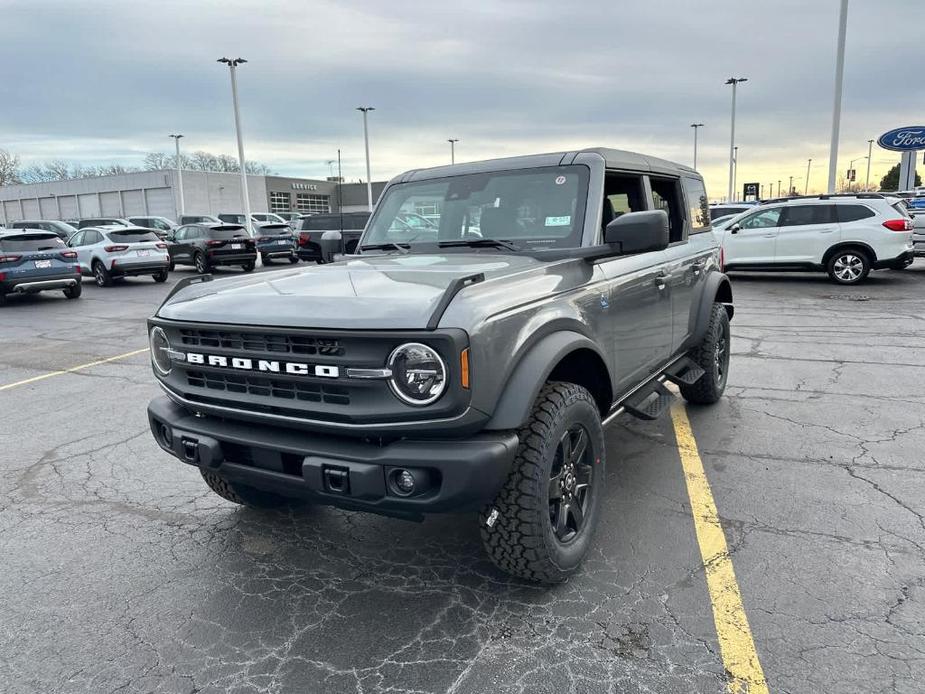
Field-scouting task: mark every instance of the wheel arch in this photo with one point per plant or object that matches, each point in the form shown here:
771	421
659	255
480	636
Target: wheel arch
564	356
718	289
848	245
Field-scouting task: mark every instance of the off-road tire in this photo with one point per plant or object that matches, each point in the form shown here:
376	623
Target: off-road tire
160	276
73	292
839	277
171	266
709	387
293	259
201	263
521	539
241	493
248	267
101	275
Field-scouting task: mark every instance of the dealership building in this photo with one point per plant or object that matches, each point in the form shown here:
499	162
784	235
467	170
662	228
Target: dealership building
157	193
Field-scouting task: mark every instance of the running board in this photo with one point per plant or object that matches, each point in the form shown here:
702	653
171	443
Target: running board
651	403
684	372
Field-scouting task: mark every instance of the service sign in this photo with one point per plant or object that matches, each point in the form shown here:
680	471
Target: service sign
904	139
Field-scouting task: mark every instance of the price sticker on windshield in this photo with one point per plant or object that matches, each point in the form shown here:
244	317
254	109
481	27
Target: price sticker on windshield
560	180
558	221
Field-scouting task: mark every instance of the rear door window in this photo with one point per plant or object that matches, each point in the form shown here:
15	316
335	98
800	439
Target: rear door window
31	242
799	215
92	236
853	213
666	194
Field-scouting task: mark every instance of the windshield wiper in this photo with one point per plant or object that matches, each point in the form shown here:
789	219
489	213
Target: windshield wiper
476	243
401	248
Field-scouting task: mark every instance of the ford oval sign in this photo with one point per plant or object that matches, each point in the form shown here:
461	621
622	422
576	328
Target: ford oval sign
904	139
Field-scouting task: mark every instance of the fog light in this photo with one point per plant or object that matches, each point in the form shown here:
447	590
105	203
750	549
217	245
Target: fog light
404	481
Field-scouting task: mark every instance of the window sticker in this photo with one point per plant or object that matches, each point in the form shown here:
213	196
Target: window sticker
558	221
560	180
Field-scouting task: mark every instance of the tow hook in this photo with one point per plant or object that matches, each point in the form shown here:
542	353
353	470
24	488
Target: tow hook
190	449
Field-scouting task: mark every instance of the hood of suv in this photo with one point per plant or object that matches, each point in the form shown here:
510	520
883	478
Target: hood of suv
373	292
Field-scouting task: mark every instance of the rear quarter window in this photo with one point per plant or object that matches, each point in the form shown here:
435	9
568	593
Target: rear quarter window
697	204
853	213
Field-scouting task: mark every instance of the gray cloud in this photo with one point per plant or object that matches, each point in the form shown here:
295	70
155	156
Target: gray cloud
103	81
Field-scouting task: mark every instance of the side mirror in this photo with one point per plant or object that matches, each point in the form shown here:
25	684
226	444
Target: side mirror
734	229
638	232
330	245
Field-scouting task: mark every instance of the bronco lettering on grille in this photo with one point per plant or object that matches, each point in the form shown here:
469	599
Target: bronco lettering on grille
264	365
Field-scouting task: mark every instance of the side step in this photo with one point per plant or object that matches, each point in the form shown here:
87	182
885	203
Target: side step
651	404
684	372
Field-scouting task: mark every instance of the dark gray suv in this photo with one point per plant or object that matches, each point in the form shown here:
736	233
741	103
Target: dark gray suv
469	363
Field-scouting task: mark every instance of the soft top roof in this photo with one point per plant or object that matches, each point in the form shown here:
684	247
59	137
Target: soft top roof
613	158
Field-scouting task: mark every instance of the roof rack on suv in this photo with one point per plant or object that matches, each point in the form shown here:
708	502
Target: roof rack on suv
827	196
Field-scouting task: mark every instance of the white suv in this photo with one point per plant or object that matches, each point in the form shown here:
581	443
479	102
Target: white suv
844	235
109	253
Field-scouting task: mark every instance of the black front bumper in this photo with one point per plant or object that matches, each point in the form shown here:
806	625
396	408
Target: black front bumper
902	260
458	474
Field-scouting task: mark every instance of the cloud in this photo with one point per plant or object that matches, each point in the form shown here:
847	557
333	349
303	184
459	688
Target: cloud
107	81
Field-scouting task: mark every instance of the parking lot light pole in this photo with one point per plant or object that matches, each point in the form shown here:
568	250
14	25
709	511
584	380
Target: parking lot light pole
369	180
180	210
778	187
870	151
734	81
696	127
453	141
735	170
232	64
839	78
806	187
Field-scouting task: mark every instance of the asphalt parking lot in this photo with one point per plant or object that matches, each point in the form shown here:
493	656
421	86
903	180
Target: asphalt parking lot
122	572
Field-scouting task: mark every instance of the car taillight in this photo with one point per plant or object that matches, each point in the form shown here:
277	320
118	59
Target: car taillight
116	249
9	258
161	245
68	254
214	243
304	237
898	225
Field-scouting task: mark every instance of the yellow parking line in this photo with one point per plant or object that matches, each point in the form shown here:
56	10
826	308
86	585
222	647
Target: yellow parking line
736	644
72	369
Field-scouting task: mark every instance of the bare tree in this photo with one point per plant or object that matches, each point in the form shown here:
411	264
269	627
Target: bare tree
9	168
156	161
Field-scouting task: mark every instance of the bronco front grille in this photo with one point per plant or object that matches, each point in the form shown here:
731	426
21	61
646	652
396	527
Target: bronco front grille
268	387
262	342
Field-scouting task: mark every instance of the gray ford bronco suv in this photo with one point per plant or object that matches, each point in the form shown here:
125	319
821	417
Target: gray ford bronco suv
468	365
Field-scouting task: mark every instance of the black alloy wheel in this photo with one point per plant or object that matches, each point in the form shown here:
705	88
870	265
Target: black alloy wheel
570	484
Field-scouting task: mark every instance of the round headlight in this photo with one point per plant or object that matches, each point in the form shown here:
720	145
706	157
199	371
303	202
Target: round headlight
418	374
159	348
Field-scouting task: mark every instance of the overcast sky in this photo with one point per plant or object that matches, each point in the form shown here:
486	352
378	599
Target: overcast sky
99	81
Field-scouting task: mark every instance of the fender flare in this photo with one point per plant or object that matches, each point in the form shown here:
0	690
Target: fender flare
717	288
531	372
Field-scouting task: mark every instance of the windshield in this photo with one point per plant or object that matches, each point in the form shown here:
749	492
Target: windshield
273	230
228	232
31	242
531	208
132	235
